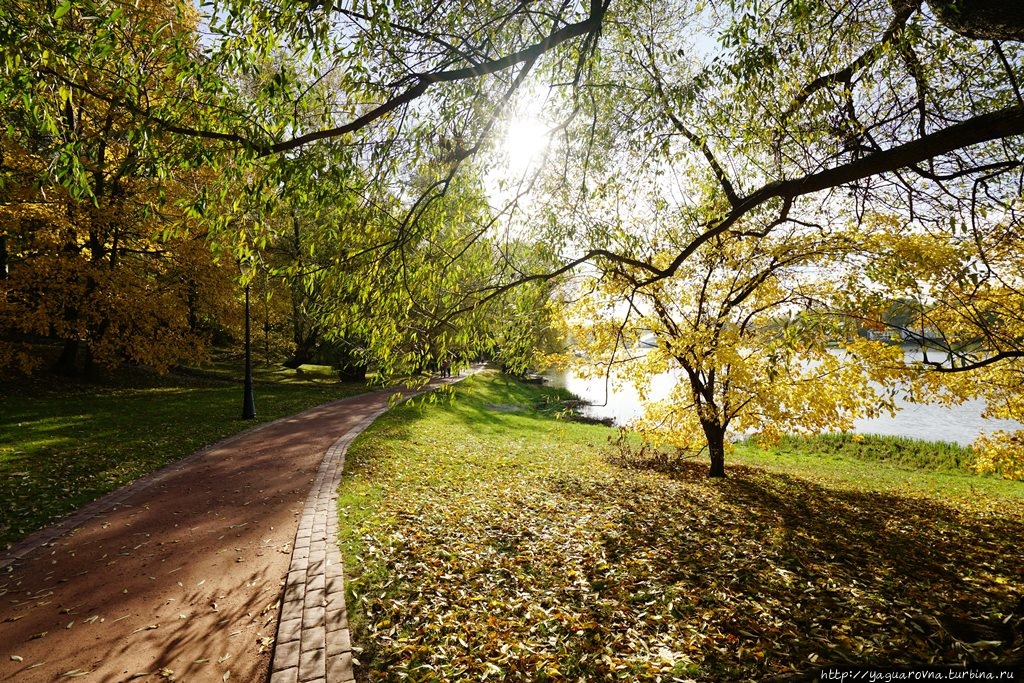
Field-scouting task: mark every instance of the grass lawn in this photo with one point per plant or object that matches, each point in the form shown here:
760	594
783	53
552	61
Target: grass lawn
65	443
485	539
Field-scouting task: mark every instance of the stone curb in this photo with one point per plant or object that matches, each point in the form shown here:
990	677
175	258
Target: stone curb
313	643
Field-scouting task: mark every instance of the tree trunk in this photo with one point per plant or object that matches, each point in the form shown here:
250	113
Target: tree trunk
350	367
67	363
192	304
715	435
982	19
305	346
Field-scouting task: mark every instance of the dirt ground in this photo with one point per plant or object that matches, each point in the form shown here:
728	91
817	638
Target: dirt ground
181	579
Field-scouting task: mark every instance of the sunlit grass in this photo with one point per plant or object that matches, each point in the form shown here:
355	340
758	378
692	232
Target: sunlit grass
893	464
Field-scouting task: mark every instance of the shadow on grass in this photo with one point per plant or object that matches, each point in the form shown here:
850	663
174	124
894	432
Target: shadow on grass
794	573
757	577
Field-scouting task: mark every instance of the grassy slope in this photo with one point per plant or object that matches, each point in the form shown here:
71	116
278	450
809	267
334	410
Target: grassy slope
483	539
63	446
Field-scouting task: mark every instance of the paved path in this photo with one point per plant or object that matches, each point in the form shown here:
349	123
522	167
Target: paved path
180	575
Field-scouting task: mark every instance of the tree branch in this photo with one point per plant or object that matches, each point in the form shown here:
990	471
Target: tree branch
696	140
983	128
590	25
845	74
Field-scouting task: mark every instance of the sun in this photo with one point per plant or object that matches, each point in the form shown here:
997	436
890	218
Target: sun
526	139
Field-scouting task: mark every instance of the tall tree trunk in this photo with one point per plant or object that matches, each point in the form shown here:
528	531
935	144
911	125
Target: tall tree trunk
192	302
715	435
303	338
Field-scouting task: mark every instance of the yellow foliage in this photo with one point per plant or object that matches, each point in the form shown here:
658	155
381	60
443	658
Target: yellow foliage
1001	453
98	254
730	328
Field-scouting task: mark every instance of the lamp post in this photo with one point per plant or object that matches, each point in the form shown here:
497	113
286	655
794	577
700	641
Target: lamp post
248	401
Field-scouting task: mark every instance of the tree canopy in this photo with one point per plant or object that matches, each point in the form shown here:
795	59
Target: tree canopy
872	125
349	149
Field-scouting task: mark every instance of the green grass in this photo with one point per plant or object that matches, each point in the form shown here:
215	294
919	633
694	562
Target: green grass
64	443
882	463
940	456
485	539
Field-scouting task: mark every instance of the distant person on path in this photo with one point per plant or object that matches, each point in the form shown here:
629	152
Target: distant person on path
446	367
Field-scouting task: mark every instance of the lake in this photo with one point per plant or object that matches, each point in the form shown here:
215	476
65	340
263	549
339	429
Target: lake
958	424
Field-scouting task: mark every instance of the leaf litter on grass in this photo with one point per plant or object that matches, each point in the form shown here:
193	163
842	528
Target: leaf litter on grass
488	558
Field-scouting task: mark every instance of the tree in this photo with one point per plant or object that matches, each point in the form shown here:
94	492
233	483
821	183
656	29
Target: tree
97	256
315	222
961	295
740	330
123	281
760	128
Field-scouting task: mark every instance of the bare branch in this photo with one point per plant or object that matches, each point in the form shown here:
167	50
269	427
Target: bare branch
940	366
696	140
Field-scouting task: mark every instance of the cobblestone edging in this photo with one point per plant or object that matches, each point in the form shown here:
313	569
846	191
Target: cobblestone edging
313	643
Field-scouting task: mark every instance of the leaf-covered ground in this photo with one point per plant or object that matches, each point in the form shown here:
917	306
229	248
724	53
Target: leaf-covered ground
485	543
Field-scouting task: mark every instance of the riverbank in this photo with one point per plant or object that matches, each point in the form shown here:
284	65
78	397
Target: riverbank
960	424
485	538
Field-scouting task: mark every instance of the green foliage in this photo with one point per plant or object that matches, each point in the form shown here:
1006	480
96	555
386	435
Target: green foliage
64	445
484	540
901	451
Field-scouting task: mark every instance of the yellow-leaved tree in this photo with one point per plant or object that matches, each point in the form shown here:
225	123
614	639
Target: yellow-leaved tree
743	331
961	308
96	258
